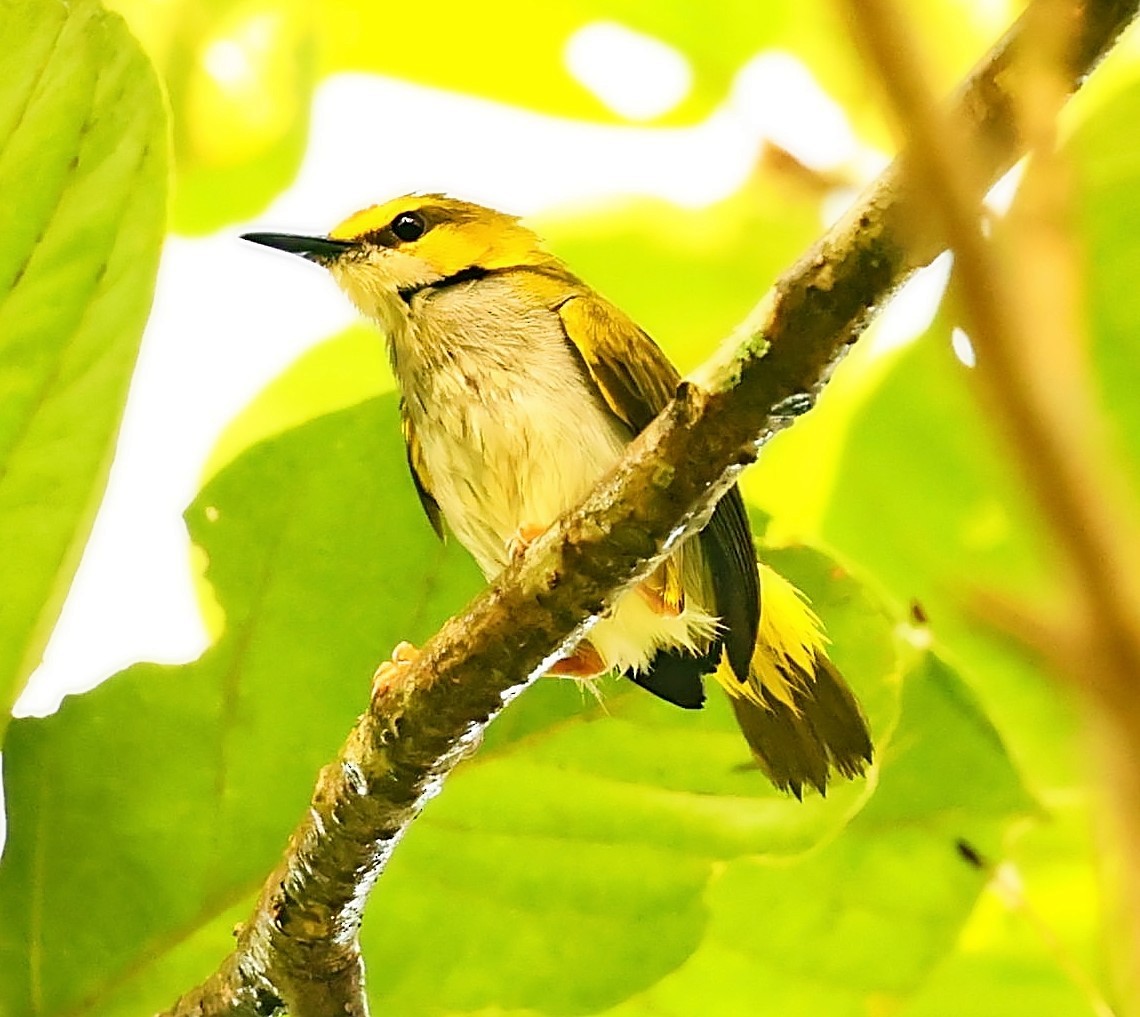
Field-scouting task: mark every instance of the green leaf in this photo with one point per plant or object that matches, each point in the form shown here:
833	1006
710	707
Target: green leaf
239	76
959	527
1005	964
83	160
467	44
929	500
854	927
162	798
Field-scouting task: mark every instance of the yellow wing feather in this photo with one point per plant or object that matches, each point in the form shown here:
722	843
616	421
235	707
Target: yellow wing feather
637	380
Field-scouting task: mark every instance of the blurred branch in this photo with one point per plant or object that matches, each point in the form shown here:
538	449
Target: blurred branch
299	949
1019	296
1052	639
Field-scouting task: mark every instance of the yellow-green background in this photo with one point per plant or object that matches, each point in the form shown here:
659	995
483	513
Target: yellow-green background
592	859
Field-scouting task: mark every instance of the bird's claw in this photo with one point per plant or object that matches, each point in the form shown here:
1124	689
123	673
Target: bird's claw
391	671
524	536
584	662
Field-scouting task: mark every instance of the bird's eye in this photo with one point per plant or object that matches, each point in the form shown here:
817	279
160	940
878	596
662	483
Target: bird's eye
409	226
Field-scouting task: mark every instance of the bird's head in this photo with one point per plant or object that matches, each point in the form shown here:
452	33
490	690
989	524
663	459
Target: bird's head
384	255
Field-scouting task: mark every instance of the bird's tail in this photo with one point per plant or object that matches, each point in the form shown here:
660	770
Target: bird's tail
798	715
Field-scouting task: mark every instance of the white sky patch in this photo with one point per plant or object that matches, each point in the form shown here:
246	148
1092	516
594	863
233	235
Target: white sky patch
517	160
779	98
635	75
963	347
912	308
1000	197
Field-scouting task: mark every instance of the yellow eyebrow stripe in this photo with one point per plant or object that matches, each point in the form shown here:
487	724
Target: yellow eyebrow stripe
365	221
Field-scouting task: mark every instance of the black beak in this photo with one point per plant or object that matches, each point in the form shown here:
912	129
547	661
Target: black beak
319	249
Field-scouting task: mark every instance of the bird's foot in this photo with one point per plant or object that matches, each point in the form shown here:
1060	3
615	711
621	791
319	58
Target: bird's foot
584	662
391	672
525	535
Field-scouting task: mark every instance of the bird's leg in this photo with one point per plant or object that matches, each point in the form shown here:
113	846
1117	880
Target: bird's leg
390	671
584	662
663	592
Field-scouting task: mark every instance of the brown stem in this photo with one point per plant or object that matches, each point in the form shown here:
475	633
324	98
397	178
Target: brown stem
1019	299
300	941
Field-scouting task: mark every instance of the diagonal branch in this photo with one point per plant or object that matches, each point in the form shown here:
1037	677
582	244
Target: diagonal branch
299	948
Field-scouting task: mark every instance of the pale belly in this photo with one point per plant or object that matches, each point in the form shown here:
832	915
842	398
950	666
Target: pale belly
511	463
519	463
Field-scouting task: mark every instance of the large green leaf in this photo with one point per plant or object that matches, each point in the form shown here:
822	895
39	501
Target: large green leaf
83	165
853	927
143	811
927	499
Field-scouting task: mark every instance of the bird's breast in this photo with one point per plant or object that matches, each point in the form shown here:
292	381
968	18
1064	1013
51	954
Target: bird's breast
511	430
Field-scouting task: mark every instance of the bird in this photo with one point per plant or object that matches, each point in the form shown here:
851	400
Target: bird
520	387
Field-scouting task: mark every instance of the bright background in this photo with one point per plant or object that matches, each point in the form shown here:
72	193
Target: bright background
227	319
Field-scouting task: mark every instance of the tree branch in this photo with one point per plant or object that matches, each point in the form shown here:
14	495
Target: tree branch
299	947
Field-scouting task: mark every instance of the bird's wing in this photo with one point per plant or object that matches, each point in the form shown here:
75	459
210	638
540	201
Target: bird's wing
634	377
419	472
636	381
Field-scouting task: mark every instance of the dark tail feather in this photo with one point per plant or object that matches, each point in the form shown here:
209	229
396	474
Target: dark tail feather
678	677
801	746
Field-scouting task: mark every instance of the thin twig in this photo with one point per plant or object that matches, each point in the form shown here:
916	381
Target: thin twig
300	941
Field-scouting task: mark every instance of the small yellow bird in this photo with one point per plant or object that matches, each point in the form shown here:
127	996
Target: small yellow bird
521	387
